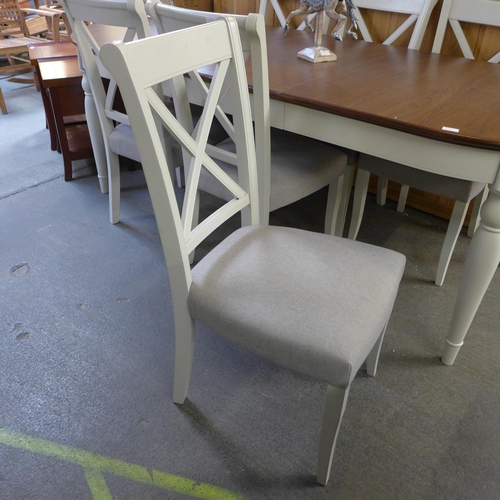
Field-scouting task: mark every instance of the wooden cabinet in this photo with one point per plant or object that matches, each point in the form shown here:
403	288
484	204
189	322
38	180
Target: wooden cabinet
484	41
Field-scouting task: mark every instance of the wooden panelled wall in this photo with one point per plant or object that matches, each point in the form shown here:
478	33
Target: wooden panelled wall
484	41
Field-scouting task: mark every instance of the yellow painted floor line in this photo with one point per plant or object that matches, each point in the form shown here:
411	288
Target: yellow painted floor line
94	465
97	485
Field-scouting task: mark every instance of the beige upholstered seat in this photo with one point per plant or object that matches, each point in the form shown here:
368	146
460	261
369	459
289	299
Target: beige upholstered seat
315	303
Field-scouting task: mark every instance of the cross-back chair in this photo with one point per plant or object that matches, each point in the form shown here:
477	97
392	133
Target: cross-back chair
298	166
314	303
117	137
462	191
418	13
456	12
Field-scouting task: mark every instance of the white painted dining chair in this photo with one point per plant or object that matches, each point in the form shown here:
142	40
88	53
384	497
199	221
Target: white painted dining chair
418	13
116	132
462	191
299	166
312	302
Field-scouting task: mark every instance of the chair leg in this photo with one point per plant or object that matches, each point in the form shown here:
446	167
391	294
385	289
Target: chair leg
3	106
185	333
334	205
68	167
114	187
336	400
344	200
475	217
403	194
454	228
382	190
360	190
372	358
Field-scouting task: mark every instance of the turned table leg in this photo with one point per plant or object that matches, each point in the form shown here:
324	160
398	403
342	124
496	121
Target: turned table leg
481	263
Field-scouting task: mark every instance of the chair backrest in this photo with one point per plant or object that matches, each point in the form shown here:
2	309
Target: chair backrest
486	12
128	14
11	20
418	12
253	40
138	67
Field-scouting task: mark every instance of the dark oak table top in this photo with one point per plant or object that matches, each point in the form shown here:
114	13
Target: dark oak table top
407	90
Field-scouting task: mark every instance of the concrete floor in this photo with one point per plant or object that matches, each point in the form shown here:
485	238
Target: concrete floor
86	346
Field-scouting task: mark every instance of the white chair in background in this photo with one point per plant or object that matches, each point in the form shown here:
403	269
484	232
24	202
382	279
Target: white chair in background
117	137
314	303
462	191
299	166
418	13
486	12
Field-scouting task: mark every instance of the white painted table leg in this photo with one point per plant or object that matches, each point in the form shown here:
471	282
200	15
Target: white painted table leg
481	263
95	135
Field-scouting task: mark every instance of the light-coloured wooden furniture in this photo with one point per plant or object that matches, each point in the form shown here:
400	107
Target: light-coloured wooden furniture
293	167
59	28
314	303
110	132
3	106
14	40
48	20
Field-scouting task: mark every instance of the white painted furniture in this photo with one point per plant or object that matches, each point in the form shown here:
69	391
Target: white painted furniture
418	13
111	134
314	303
298	166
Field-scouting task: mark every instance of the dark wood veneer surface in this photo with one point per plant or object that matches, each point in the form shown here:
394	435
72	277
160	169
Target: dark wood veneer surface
407	90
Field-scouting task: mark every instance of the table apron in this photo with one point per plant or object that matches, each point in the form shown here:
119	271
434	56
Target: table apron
440	157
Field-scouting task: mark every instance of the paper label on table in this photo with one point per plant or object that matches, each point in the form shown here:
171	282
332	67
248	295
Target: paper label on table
324	52
450	129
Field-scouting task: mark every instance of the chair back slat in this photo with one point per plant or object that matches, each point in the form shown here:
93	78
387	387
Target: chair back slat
11	19
111	12
253	41
139	67
455	12
418	12
129	14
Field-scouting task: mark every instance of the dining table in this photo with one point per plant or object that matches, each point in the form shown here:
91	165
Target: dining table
429	111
